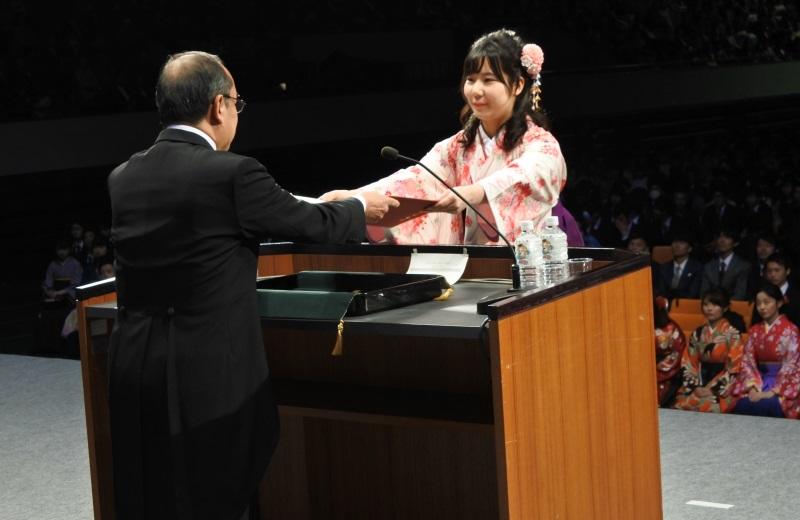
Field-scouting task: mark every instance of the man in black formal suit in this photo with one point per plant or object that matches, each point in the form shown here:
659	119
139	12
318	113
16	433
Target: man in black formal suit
682	276
766	245
777	270
193	422
728	270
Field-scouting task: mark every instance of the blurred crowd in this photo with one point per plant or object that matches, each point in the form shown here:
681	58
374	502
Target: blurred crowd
72	58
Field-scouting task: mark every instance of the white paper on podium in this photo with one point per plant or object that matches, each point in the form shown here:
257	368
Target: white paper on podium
449	265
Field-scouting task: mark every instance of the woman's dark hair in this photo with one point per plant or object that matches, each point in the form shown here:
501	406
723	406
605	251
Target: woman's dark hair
771	290
779	259
187	85
503	50
660	314
717	296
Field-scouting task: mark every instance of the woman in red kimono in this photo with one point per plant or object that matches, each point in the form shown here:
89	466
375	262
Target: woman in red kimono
769	381
712	360
670	344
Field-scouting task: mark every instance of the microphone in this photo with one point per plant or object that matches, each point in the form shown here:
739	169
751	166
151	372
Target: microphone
391	154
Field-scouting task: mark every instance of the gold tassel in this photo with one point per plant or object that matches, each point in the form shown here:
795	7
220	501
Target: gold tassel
445	295
337	348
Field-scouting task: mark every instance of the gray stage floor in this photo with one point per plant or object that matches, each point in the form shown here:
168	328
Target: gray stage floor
750	463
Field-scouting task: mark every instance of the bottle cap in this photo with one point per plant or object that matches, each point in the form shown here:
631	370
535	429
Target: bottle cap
526	225
552	220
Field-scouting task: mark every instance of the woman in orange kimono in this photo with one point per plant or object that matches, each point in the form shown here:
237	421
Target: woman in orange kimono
670	344
712	360
769	383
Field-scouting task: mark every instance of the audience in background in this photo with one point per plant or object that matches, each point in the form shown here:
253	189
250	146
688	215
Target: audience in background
711	362
681	277
62	62
769	381
765	246
63	274
776	271
729	270
670	345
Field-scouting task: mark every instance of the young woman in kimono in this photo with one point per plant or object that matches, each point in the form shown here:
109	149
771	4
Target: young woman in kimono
503	161
769	381
712	360
670	344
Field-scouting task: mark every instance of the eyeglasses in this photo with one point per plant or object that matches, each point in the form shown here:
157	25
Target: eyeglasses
240	102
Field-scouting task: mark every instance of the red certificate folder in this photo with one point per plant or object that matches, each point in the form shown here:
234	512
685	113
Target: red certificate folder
408	209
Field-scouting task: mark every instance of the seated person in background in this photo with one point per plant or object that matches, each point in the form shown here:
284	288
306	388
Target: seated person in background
766	244
769	381
728	270
99	252
670	344
777	273
76	248
682	276
712	360
637	243
681	217
63	275
105	268
503	161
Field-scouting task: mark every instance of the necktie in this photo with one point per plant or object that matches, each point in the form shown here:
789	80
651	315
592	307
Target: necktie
721	271
676	277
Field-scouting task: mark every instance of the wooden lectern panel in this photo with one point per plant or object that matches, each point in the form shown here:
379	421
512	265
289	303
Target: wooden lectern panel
575	420
95	398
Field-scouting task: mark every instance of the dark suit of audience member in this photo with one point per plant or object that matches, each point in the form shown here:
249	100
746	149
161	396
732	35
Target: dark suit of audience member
728	270
720	214
690	277
681	277
193	421
733	277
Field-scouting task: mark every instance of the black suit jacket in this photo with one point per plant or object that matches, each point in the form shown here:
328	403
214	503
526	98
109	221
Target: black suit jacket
192	418
688	285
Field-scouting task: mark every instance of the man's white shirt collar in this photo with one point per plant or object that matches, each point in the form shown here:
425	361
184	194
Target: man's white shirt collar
196	131
785	287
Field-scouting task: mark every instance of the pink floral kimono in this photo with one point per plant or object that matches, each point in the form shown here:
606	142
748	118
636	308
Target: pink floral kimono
522	184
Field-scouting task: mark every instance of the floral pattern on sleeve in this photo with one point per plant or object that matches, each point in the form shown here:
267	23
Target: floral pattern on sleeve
522	184
670	344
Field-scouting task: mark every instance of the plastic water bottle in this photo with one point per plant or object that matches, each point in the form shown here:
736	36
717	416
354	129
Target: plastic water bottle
554	252
528	248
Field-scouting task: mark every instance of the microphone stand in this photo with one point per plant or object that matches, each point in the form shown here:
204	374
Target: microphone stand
387	152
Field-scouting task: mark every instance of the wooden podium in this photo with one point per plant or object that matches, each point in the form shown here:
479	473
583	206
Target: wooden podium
543	408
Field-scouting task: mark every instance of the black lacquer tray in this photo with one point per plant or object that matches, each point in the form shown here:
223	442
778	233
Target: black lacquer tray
333	294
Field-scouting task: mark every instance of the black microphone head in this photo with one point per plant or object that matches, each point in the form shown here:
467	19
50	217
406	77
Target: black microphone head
387	152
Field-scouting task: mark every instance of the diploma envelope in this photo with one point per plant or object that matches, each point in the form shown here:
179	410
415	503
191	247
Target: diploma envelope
409	208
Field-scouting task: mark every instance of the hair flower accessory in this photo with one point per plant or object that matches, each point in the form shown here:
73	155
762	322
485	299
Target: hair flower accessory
532	59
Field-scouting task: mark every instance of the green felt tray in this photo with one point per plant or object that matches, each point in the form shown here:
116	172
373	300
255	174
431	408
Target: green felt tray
330	295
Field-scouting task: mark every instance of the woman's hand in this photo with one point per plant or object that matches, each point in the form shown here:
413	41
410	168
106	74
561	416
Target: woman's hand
756	396
450	203
335	195
702	391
